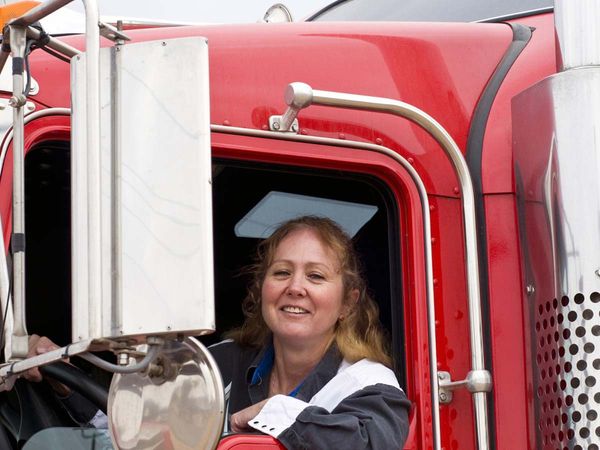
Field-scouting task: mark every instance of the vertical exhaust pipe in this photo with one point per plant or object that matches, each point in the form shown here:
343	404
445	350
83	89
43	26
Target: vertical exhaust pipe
577	26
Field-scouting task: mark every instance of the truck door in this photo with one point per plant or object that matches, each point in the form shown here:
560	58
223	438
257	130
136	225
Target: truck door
257	183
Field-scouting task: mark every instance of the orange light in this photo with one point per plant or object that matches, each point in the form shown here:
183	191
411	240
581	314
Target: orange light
14	10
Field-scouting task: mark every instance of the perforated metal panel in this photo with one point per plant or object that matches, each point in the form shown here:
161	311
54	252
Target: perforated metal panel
568	365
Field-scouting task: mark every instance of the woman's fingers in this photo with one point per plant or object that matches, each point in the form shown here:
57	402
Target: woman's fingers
239	420
37	346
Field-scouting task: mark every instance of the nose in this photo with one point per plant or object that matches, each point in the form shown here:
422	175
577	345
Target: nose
296	287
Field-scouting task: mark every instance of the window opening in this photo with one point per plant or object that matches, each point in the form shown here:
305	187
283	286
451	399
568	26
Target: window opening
240	189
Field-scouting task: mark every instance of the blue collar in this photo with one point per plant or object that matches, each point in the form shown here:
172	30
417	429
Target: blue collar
264	368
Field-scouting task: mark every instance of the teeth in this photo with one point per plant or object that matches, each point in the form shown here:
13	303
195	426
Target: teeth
294	309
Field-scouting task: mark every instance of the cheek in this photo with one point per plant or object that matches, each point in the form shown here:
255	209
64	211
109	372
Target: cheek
268	293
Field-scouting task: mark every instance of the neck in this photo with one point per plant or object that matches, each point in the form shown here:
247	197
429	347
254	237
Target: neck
293	364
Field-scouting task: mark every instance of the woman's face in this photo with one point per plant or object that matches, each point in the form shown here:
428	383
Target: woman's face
302	293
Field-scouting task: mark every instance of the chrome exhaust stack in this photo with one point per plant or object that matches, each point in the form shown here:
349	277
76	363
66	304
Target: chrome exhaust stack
557	163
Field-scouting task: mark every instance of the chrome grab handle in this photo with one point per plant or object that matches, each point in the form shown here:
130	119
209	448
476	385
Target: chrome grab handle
476	381
301	95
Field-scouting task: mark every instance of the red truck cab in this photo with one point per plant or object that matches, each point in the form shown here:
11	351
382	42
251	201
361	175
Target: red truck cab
464	76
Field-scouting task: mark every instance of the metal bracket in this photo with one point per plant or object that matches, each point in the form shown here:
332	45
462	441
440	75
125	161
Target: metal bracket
476	381
6	103
15	367
112	33
275	124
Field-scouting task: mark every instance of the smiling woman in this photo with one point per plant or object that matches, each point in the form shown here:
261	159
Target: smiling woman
309	366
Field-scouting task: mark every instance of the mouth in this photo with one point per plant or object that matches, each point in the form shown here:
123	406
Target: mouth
294	310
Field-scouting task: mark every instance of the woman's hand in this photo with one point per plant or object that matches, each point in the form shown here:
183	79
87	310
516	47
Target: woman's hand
39	345
239	420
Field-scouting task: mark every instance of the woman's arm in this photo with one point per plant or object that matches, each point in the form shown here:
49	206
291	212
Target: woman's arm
373	418
361	408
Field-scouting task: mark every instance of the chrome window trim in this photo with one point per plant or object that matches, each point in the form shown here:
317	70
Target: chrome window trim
426	231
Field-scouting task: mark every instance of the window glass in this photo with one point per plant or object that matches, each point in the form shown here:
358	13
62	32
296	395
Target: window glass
427	11
278	207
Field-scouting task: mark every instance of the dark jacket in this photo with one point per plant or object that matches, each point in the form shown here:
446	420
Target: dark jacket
357	406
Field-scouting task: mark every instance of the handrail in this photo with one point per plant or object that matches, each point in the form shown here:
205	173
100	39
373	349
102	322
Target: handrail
92	113
39	12
19	344
426	231
301	95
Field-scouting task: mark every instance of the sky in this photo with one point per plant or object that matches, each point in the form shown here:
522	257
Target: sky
220	11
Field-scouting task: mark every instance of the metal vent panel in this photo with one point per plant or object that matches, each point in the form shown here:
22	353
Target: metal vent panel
567	332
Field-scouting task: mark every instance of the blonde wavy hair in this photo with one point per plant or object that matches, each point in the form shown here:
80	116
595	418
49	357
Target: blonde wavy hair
359	335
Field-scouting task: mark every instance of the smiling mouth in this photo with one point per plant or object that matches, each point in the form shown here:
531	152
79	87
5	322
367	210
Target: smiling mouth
294	310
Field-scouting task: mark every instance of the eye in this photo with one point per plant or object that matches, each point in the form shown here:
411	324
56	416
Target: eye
280	273
315	276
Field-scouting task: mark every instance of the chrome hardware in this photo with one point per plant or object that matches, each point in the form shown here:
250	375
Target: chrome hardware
54	44
278	13
276	124
297	96
20	338
8	370
112	33
123	358
4	103
16	101
165	405
476	381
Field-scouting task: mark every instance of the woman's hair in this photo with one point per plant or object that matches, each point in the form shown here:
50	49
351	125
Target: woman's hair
359	335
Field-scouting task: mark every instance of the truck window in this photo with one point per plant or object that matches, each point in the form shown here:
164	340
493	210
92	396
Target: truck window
425	11
244	195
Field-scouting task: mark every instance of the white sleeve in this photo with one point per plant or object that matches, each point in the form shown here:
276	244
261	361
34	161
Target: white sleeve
278	414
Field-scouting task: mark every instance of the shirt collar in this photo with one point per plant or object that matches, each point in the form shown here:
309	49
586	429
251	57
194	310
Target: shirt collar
260	369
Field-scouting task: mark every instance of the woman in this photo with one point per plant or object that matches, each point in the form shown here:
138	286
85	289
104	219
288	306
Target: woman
308	365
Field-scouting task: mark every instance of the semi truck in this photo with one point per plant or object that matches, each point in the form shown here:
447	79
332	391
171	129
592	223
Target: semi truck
458	145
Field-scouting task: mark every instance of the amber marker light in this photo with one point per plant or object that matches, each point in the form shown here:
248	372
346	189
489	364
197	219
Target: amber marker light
14	10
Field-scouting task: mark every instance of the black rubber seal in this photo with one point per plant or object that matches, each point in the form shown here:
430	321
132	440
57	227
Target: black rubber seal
17	65
325	9
18	242
474	157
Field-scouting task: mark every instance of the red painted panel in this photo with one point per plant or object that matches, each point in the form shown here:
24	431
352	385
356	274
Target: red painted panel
249	442
440	68
537	61
512	383
452	318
